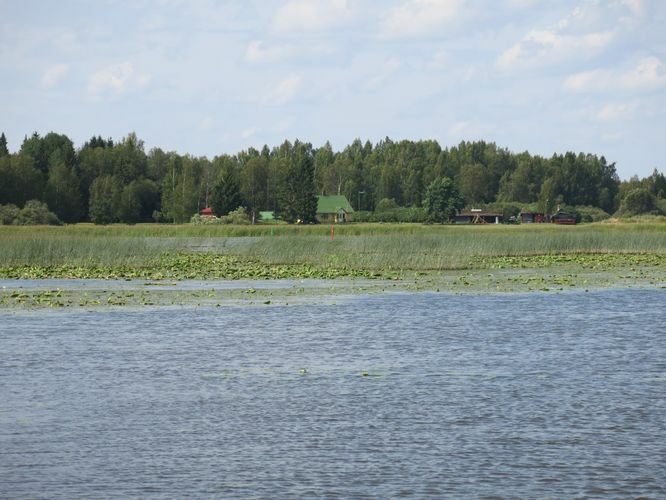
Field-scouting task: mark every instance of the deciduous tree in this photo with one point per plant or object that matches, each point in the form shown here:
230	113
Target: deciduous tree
442	200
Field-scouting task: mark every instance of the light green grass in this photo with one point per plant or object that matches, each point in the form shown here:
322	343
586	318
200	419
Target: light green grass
377	248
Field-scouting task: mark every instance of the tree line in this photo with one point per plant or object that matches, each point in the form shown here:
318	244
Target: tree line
107	181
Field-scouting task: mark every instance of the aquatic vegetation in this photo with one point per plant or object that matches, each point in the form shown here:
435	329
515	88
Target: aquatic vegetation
401	257
182	266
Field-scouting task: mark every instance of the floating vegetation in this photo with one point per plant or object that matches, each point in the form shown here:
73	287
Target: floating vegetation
185	266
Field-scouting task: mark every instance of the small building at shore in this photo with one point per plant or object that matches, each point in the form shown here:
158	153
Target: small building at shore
533	218
334	209
478	216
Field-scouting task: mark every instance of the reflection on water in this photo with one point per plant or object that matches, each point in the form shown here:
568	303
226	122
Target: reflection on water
422	395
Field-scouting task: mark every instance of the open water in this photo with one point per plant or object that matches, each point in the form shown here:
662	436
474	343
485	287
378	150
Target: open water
394	395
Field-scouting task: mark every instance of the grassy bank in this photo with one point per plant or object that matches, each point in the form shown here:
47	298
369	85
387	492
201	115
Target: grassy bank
370	250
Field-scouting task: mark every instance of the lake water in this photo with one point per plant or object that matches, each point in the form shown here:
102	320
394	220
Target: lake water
407	394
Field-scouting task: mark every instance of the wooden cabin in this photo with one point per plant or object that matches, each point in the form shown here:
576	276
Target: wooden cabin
334	209
533	218
562	217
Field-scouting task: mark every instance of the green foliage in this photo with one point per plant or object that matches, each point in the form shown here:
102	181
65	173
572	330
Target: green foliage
475	184
442	200
238	216
20	181
137	201
398	214
105	195
62	193
638	201
3	146
180	188
255	173
591	214
204	220
129	210
129	159
386	204
226	193
34	213
158	216
299	199
8	214
48	151
381	178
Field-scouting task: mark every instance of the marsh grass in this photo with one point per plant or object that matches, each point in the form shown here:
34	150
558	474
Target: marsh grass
455	248
374	247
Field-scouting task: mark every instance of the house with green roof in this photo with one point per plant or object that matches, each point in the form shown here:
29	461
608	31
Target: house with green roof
334	209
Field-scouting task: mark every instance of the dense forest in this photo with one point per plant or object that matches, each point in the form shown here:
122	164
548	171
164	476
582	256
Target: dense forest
106	181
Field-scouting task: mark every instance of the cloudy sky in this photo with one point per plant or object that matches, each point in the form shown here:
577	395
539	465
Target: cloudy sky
208	77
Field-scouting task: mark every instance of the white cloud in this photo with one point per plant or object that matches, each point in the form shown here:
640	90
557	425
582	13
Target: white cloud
588	80
284	91
420	17
649	73
636	7
117	78
616	111
53	75
257	52
541	47
311	15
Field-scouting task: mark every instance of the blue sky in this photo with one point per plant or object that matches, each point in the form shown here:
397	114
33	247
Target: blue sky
211	77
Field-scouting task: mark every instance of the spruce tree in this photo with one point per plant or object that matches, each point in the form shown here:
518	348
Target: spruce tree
299	198
3	146
226	194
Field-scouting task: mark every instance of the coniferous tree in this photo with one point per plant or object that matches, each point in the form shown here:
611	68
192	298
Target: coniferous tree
3	146
299	198
226	195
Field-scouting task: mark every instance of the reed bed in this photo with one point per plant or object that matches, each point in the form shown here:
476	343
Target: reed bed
375	247
452	250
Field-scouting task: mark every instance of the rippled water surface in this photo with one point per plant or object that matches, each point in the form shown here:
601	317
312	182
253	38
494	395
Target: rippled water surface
413	394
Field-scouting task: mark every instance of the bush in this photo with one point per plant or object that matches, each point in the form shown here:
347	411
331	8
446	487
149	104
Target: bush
200	220
400	214
238	216
386	204
35	212
638	201
158	216
8	214
661	205
591	214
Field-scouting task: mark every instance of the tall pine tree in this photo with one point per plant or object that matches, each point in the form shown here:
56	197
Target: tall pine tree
299	198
